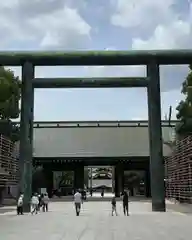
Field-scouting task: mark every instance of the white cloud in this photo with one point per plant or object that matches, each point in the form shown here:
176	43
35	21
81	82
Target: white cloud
43	22
142	13
171	36
9	3
64	27
164	26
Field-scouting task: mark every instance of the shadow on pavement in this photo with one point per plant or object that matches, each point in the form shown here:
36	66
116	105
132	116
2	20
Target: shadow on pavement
5	210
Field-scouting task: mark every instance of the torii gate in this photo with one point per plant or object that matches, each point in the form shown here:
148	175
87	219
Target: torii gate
152	60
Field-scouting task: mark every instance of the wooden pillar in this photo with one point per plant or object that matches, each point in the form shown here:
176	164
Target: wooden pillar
26	151
155	139
119	179
79	176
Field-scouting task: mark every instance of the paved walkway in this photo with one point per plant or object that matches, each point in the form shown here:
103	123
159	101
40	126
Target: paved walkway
95	223
179	207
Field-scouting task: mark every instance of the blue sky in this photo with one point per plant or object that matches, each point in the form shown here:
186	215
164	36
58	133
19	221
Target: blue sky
99	25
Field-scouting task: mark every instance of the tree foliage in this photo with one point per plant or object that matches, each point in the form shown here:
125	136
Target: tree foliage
10	94
185	106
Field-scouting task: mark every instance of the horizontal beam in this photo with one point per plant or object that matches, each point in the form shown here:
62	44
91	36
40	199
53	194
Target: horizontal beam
94	58
110	82
121	123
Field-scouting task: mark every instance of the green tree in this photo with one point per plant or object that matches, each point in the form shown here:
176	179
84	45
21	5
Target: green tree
185	106
10	94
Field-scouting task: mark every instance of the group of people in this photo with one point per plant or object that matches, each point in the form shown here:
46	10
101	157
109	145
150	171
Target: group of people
78	200
125	198
37	202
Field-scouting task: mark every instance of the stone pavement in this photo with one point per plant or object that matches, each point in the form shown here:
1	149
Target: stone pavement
179	207
96	222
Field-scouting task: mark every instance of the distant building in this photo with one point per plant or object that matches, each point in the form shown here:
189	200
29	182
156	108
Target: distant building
101	178
102	173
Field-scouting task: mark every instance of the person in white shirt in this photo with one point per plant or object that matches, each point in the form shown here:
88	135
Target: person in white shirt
77	201
34	204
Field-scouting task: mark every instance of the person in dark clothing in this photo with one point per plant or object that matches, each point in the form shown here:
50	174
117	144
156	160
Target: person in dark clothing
102	192
20	205
45	202
40	201
91	192
126	203
84	195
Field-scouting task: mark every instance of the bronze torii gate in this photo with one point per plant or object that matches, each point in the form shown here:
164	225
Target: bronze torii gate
152	59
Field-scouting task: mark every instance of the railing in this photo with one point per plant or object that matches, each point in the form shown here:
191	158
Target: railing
142	123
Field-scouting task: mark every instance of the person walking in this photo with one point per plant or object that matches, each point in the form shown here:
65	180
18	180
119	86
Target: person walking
126	203
34	204
45	202
78	202
114	207
102	192
20	205
40	196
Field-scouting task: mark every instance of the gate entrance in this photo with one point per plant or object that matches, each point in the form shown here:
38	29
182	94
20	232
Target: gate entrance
152	60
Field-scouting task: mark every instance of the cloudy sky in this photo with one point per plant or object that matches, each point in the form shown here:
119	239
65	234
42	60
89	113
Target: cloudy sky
98	25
